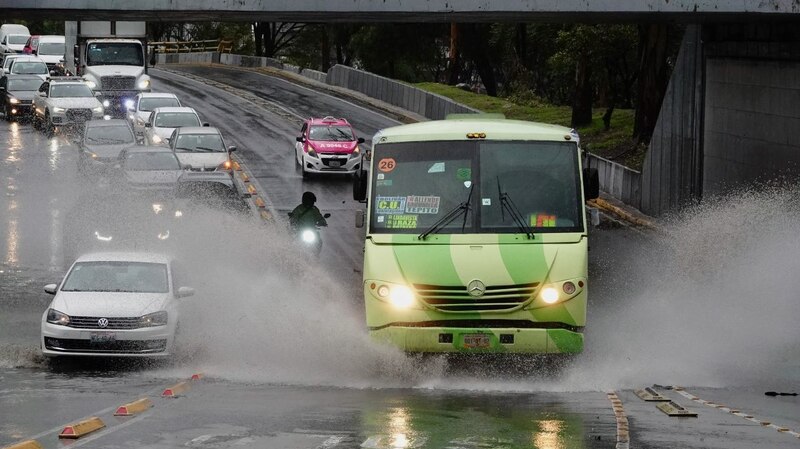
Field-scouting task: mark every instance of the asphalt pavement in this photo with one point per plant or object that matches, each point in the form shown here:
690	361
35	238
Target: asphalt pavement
281	342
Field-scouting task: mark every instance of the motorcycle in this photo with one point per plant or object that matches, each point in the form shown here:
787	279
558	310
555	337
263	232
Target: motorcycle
310	237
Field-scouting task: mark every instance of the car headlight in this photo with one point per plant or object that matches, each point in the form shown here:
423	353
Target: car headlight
224	166
163	235
91	84
157	138
57	109
106	103
312	153
144	84
56	317
99	108
154	319
13	100
128	104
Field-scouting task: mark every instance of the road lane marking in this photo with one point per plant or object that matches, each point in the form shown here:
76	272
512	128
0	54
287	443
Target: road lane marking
623	429
29	444
736	412
331	442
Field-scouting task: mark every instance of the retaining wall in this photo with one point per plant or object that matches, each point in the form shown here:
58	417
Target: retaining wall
617	180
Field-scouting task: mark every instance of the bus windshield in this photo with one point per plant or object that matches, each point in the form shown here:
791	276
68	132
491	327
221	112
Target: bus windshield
115	53
415	185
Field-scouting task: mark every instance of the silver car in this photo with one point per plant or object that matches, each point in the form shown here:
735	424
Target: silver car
64	102
140	107
163	121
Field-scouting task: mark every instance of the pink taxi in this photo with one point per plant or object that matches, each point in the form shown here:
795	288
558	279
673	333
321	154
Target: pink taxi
328	145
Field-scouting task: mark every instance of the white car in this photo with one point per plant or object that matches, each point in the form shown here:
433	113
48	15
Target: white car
140	107
201	148
27	65
163	121
114	304
13	37
51	49
64	101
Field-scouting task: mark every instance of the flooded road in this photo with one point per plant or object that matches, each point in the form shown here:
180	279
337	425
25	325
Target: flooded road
281	343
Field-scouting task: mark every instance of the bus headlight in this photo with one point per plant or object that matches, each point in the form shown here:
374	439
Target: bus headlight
549	295
401	297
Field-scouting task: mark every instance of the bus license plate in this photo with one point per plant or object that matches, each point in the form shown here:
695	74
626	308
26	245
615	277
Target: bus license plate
480	341
335	164
102	337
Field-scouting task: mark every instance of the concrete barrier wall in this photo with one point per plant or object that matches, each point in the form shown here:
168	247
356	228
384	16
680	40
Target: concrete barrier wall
316	75
396	93
188	58
617	180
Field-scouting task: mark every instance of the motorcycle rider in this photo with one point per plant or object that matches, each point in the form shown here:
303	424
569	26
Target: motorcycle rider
306	215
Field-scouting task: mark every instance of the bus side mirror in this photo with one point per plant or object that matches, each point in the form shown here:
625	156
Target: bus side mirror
153	57
591	183
360	186
361	217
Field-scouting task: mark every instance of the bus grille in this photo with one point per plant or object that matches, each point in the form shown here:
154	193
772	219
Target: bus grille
457	299
118	83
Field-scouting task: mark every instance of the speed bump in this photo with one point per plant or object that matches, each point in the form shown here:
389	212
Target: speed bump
197	376
29	444
650	395
251	189
176	390
672	408
82	428
134	407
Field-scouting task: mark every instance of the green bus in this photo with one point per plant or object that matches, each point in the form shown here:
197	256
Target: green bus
476	236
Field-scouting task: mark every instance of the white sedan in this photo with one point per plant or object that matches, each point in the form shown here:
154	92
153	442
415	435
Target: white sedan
139	108
163	121
113	304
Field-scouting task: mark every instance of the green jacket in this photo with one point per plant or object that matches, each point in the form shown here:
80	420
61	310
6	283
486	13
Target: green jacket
306	217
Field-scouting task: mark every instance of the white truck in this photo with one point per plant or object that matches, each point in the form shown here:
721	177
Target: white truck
112	57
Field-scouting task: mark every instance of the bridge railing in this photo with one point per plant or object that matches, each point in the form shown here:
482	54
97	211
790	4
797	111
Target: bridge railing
217	45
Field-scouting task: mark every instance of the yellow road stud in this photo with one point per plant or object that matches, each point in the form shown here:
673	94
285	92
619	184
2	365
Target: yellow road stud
82	428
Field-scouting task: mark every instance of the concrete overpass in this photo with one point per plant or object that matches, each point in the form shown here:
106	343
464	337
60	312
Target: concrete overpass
401	10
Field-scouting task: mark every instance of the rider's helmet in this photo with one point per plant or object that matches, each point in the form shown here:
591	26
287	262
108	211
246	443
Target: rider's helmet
309	199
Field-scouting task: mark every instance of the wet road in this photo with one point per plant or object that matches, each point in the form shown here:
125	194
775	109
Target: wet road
277	378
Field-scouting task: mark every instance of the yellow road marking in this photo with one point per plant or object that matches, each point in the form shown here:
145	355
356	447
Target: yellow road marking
176	390
134	407
29	444
82	428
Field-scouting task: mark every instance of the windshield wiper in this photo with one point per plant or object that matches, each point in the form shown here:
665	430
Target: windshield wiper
508	205
212	150
462	208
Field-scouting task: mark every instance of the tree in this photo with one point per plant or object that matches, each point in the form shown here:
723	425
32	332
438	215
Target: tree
475	44
654	72
272	38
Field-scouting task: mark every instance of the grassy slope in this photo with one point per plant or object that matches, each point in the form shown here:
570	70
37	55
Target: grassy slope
616	141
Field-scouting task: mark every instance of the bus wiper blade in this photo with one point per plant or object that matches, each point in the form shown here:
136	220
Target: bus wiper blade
512	209
462	208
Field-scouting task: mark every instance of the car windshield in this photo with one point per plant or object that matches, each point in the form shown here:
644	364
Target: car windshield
417	184
200	142
51	48
116	53
18	39
331	133
25	84
176	119
29	68
136	277
148	104
70	90
152	161
109	134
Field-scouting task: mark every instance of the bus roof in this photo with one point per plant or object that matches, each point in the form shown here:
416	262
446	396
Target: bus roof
459	126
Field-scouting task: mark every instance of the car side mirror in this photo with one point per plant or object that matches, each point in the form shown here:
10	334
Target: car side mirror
153	57
300	139
98	93
51	289
231	148
53	73
76	51
183	292
361	217
361	140
360	186
206	124
148	125
591	183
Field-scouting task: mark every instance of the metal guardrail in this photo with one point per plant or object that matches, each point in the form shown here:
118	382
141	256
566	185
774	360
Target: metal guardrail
220	46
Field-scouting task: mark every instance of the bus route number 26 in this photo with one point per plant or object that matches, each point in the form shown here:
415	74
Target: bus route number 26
386	165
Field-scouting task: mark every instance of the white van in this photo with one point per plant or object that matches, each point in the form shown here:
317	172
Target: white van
13	38
50	49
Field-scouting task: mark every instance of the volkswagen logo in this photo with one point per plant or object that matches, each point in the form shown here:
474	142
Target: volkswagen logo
102	322
476	288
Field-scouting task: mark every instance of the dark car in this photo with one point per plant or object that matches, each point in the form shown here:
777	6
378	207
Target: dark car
102	143
215	190
150	169
16	94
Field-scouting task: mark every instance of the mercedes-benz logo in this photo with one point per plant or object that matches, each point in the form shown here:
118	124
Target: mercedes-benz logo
476	288
102	322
